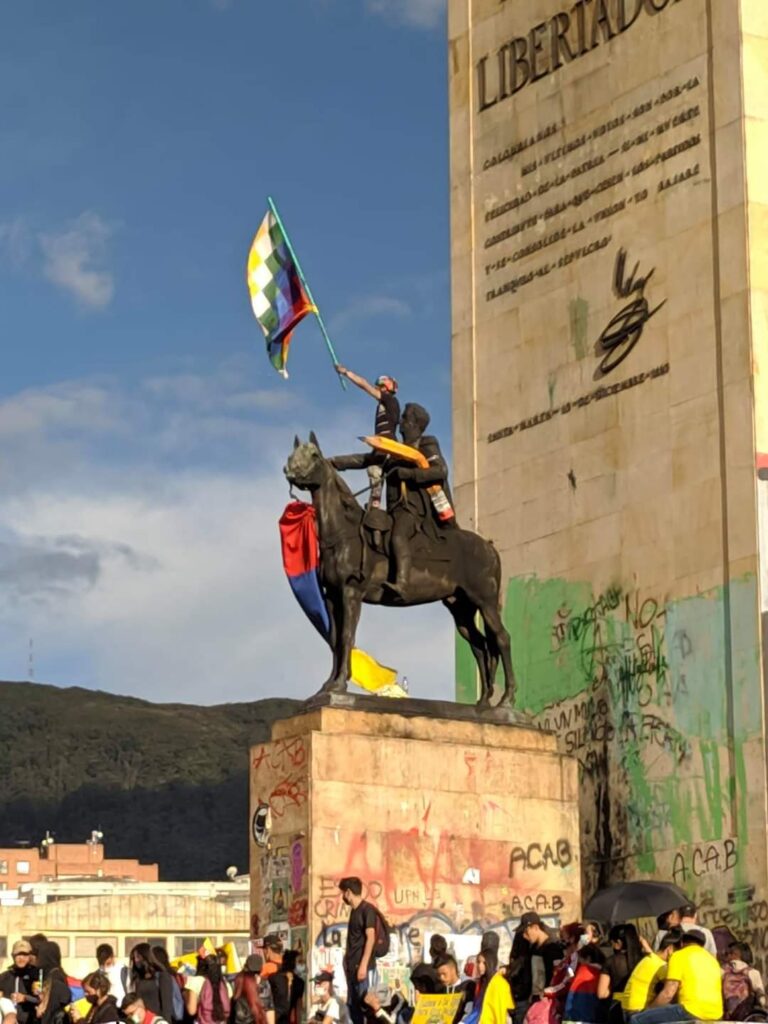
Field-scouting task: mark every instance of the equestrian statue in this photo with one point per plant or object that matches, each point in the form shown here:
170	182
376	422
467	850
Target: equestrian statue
413	553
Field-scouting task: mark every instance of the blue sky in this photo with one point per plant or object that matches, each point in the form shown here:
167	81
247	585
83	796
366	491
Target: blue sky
142	429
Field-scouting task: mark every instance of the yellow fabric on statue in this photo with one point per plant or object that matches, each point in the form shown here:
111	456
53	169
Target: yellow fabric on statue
368	674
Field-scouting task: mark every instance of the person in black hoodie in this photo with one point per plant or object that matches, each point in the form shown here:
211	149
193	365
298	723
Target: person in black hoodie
16	982
103	1006
150	982
55	995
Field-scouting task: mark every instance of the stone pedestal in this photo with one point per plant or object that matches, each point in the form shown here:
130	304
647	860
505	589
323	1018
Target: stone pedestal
454	824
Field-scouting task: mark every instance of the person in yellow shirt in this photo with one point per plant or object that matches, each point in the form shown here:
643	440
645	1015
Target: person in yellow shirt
652	969
693	980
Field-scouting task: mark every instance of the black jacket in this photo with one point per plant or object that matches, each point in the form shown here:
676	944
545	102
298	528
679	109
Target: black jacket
24	976
156	992
106	1013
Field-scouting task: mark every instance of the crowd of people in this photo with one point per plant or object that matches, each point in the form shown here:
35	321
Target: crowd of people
148	989
576	973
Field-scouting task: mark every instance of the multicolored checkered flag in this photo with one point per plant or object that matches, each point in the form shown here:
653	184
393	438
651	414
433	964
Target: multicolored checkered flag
280	296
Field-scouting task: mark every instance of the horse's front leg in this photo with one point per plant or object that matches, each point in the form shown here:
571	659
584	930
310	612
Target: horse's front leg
351	603
333	604
346	616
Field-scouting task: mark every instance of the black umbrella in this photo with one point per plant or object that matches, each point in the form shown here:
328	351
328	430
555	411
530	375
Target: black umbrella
626	901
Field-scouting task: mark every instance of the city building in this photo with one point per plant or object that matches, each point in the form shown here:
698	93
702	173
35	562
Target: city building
51	860
79	898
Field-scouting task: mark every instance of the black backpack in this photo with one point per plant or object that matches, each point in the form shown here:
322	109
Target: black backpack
381	944
240	1012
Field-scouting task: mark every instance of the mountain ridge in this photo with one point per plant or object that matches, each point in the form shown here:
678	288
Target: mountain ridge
165	782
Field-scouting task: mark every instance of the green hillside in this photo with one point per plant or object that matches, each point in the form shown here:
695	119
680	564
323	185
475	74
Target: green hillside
164	782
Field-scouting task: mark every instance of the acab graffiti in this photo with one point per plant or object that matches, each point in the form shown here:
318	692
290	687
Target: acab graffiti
633	683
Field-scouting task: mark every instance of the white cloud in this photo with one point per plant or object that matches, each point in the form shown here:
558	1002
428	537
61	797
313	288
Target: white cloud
419	13
166	582
16	241
61	407
369	306
72	260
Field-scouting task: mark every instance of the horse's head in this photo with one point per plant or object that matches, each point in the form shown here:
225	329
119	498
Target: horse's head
305	466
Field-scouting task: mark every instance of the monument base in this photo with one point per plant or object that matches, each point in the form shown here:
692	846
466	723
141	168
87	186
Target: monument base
455	821
411	707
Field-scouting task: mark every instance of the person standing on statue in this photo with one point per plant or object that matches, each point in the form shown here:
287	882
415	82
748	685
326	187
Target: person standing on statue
409	500
385	424
359	959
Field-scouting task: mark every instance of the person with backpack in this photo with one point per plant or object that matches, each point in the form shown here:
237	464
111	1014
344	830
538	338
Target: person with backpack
365	935
213	1006
252	996
160	954
743	987
154	986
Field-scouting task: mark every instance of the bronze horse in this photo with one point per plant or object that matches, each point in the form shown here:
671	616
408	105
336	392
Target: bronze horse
462	570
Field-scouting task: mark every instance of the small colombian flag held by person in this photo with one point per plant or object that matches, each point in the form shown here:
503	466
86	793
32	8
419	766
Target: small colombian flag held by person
279	297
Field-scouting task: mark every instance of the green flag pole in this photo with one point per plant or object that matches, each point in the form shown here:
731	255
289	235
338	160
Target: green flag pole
318	314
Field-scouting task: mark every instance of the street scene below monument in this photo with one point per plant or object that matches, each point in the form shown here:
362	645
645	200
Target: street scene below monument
383	518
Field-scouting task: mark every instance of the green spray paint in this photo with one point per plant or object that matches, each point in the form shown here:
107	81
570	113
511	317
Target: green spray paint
568	642
531	609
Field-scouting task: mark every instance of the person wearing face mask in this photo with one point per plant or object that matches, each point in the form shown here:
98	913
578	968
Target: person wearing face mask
325	1003
135	1011
150	982
103	1005
16	983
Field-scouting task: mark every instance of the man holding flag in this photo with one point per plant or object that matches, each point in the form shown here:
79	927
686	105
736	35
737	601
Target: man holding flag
385	425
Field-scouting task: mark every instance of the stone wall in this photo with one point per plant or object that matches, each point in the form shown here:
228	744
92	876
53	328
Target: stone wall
609	319
452	826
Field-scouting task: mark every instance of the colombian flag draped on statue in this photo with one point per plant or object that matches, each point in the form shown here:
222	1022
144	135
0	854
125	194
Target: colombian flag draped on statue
298	536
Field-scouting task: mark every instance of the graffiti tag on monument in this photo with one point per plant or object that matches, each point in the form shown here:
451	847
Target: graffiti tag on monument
626	327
